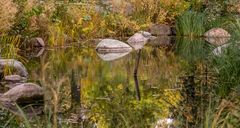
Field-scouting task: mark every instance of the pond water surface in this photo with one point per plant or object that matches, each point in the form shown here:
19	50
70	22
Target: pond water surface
137	89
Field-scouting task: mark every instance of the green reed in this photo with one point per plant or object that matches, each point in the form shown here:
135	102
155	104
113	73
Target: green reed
190	24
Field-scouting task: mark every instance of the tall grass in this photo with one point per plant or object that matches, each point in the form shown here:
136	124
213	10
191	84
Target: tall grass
190	24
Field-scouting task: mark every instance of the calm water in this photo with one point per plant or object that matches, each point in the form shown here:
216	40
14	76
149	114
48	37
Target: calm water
133	89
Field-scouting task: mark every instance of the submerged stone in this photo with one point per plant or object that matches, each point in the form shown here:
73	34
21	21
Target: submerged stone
12	63
217	32
113	46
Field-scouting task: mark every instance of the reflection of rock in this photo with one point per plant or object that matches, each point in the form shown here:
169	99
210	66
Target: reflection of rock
160	29
28	95
113	46
137	45
24	93
15	64
40	52
28	110
217	32
112	56
218	51
34	52
161	41
217	41
37	42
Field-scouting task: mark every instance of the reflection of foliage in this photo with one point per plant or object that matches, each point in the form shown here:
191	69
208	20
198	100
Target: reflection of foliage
196	94
192	49
112	97
227	66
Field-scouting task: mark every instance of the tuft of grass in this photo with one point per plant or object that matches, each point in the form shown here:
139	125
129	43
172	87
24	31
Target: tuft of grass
190	24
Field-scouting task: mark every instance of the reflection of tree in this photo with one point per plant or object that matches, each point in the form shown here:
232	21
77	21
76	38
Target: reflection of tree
75	88
136	77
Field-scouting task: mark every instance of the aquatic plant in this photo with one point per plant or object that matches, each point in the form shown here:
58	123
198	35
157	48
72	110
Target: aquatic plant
190	24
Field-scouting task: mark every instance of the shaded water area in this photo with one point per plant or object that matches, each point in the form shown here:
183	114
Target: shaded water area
83	88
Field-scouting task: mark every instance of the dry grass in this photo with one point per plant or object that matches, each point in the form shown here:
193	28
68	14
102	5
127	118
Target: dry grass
8	11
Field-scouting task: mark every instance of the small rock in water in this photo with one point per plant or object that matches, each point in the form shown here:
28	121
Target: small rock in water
113	46
24	93
138	40
160	30
138	45
217	32
37	42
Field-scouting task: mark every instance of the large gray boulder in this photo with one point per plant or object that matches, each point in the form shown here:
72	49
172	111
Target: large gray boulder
217	32
160	30
112	46
12	63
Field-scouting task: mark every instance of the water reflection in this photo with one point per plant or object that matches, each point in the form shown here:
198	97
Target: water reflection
110	56
77	82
